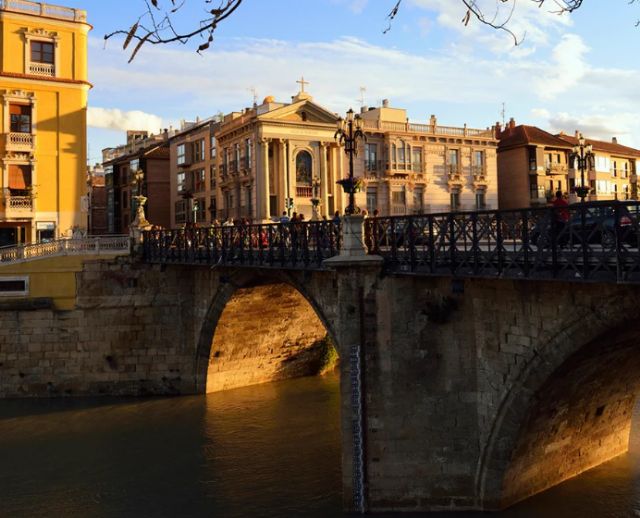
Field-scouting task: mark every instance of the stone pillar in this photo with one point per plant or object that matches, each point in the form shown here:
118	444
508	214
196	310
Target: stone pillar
263	193
324	180
291	182
340	196
281	176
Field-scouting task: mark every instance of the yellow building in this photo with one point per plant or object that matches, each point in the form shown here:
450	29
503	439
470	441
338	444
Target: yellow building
43	104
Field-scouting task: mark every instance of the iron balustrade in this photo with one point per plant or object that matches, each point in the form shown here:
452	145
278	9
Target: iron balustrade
299	245
597	242
591	242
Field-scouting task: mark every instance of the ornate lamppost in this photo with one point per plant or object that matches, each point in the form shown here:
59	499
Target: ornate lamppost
349	133
140	219
582	155
315	201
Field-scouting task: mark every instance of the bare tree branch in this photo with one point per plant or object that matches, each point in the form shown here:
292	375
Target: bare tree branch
156	25
162	31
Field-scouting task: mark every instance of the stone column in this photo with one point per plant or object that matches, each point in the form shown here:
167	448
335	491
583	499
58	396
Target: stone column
280	177
340	195
324	180
263	194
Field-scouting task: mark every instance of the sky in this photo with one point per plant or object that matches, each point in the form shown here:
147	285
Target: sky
568	72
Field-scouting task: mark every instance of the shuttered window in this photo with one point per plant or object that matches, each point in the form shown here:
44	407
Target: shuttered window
20	118
19	177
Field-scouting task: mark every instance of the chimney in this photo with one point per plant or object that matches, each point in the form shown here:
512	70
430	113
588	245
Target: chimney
614	140
364	109
498	129
197	119
385	103
512	124
577	134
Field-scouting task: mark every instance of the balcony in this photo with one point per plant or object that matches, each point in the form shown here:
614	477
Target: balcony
556	168
41	9
303	191
42	69
20	142
18	206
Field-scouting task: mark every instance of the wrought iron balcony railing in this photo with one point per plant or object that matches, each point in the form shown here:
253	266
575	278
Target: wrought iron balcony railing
18	203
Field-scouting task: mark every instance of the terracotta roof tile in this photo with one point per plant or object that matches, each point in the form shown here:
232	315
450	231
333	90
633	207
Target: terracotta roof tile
523	135
601	145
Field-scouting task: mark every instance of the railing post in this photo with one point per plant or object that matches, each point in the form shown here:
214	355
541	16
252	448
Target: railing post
525	241
432	245
553	224
618	244
499	242
412	244
452	241
585	242
475	243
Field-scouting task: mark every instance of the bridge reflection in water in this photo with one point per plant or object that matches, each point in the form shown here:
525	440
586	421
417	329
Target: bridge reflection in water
596	242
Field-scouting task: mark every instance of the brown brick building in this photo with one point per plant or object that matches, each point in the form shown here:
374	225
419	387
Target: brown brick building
121	187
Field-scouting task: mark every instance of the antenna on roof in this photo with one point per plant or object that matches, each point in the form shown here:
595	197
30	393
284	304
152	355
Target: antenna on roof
363	89
255	95
503	112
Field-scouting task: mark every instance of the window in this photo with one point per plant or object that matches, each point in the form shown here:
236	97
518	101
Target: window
481	202
14	286
536	192
603	163
199	181
417	159
533	163
247	154
19	179
181	152
455	200
212	207
198	150
394	152
418	206
371	157
42	52
213	147
372	199
625	172
614	171
181	182
212	176
134	165
398	202
401	153
125	200
20	118
236	149
181	213
303	168
478	158
453	160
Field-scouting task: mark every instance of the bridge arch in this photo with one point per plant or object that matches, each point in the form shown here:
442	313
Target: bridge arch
233	306
570	407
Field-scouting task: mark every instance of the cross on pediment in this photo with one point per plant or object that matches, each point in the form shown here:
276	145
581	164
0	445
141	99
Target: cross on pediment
302	82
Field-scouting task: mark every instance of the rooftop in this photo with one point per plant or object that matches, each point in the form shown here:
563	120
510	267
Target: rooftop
47	10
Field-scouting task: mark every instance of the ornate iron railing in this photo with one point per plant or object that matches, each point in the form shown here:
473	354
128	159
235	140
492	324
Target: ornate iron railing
301	245
117	245
20	141
596	242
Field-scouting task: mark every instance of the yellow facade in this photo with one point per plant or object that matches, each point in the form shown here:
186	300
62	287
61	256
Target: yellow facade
43	104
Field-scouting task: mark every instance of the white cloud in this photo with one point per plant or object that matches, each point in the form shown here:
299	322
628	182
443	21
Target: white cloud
112	118
568	67
530	24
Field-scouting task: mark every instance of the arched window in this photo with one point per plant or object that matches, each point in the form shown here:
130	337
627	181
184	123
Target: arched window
304	164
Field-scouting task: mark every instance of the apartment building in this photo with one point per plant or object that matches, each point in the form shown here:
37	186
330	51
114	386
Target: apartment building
140	167
193	173
43	89
411	168
533	164
614	172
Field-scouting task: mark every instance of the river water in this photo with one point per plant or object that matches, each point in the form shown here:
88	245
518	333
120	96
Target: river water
270	450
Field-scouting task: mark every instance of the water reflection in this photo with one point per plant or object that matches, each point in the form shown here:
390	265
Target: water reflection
264	451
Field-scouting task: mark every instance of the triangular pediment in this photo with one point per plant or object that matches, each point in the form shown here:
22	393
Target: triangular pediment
302	111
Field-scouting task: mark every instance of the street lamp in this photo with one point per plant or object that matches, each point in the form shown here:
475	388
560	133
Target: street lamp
583	156
348	134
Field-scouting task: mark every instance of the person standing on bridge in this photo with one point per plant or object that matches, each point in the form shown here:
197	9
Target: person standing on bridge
561	214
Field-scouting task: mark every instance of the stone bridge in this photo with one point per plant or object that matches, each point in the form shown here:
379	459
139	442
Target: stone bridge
457	393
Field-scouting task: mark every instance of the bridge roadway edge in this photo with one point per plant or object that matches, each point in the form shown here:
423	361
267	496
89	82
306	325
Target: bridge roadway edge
453	370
